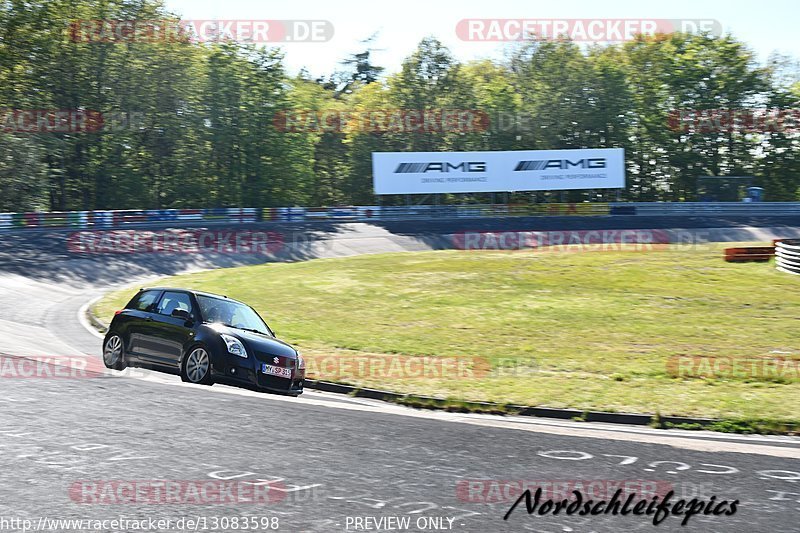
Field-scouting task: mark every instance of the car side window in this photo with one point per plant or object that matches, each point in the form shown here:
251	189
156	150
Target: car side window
172	301
144	301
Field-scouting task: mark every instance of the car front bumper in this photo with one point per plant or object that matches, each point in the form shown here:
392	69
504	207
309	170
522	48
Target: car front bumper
248	372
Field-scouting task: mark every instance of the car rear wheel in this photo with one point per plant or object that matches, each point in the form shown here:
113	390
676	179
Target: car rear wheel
114	353
196	367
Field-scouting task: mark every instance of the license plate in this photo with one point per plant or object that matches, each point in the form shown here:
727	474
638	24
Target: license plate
276	371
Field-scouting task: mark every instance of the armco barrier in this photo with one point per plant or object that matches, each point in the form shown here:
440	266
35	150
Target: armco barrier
787	256
71	219
709	209
102	219
190	214
622	210
574	209
235	215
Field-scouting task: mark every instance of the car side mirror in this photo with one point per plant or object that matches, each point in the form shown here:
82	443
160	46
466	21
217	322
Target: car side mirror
182	313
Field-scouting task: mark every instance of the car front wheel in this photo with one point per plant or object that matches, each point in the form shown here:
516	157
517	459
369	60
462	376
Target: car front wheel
196	367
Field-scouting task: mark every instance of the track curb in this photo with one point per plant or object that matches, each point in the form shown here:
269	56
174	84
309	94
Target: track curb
95	322
431	402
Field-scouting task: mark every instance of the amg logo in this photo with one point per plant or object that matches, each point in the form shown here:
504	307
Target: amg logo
421	168
563	164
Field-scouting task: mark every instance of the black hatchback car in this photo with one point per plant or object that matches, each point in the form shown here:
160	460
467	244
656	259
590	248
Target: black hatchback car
206	338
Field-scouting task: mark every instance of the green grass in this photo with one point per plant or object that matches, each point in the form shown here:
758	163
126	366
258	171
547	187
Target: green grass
593	330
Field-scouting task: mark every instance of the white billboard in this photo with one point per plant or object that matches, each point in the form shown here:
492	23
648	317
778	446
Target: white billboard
523	170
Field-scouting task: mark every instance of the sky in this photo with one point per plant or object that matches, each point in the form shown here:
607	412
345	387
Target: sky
766	26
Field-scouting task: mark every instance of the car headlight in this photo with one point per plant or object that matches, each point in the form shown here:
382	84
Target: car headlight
235	346
301	363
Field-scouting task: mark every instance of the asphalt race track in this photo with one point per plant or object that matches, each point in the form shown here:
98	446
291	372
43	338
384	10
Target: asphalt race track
331	463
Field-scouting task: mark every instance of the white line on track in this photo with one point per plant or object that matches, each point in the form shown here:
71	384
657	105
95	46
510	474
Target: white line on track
85	322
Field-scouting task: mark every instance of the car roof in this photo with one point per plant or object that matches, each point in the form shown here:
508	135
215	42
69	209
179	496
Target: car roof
191	291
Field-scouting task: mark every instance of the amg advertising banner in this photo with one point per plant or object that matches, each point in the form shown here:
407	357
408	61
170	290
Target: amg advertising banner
524	170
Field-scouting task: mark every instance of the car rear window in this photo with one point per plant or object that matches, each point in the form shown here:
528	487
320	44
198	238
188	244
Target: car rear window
144	301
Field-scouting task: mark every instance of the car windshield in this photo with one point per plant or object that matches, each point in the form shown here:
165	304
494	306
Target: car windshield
233	314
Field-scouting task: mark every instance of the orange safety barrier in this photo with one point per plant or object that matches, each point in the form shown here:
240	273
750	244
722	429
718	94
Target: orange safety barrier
749	253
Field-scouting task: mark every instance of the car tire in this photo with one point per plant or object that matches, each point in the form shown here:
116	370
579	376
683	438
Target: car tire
114	352
196	366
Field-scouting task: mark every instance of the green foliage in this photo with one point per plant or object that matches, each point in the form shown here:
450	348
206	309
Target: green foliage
200	128
23	175
454	406
763	426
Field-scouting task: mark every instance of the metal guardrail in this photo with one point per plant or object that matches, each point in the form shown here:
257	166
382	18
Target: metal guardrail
153	217
711	208
787	256
160	217
112	219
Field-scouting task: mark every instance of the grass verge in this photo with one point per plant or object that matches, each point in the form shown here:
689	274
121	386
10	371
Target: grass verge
599	331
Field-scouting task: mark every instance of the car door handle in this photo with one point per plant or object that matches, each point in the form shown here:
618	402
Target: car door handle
148	319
